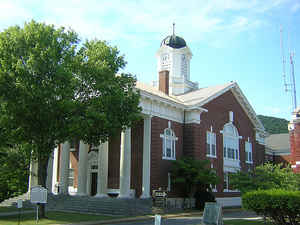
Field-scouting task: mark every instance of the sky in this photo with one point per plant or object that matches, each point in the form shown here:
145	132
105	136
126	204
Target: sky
231	40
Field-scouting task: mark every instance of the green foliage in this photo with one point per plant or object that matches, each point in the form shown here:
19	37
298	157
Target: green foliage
193	175
281	206
53	88
264	177
274	125
14	170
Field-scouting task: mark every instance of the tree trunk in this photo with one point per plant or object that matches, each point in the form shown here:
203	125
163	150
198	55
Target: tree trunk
42	177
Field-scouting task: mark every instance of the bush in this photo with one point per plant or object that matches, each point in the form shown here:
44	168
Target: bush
201	197
281	206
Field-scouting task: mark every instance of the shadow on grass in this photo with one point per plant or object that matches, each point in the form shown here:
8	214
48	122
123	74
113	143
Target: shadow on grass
245	222
53	218
5	209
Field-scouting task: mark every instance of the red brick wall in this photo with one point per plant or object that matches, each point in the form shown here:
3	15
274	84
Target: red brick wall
217	116
159	166
114	162
137	135
136	159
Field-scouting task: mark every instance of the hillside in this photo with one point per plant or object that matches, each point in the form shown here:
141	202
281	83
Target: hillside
274	125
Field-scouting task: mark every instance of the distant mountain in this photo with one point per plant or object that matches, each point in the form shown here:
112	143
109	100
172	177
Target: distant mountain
274	125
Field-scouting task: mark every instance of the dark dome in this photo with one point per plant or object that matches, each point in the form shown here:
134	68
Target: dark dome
173	41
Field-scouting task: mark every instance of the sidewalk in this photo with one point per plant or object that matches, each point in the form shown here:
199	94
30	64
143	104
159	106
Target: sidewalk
228	214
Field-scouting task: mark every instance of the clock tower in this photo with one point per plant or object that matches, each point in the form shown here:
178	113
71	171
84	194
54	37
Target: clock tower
175	56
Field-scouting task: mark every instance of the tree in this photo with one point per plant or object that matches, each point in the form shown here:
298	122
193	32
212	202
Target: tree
193	175
53	88
14	170
274	125
264	177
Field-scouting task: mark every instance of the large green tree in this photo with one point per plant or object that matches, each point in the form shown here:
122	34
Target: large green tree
193	175
54	88
14	171
264	177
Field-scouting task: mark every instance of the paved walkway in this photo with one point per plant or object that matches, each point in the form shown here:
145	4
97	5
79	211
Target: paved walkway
185	218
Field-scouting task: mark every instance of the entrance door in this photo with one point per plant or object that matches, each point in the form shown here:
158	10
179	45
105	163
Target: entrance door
94	184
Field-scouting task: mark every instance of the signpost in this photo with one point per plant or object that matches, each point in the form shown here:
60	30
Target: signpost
38	194
212	214
160	198
19	206
157	220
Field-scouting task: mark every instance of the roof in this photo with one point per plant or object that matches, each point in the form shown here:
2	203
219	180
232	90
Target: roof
278	143
203	95
200	97
174	41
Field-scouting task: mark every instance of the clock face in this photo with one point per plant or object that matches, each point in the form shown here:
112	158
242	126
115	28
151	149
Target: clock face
165	61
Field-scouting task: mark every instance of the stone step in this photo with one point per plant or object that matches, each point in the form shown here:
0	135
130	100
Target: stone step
112	206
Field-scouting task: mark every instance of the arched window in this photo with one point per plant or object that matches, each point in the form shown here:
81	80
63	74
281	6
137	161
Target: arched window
231	142
169	143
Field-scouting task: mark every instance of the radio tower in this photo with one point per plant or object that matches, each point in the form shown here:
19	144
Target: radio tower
288	87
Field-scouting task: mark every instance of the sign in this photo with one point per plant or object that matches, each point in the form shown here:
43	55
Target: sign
160	194
19	204
38	194
212	214
157	220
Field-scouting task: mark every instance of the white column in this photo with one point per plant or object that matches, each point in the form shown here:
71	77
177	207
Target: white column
82	168
125	164
50	173
33	179
102	170
54	175
64	168
146	158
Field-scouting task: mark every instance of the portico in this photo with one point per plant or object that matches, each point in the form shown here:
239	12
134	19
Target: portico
93	163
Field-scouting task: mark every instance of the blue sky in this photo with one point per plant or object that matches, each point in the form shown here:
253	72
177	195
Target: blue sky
231	40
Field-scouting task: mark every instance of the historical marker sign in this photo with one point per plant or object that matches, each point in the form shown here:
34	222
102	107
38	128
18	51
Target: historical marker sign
212	214
38	194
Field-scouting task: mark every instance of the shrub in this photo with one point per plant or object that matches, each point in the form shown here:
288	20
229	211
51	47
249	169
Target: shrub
201	197
281	206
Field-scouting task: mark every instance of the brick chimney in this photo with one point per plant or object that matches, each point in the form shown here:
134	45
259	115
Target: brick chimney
164	81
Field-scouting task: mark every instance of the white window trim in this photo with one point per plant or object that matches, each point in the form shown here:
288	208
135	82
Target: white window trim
173	140
248	143
212	138
235	138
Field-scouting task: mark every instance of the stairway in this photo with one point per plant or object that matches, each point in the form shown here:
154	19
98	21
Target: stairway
13	201
106	206
87	204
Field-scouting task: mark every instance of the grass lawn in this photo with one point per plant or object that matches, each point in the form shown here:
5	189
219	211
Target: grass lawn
53	218
4	209
245	222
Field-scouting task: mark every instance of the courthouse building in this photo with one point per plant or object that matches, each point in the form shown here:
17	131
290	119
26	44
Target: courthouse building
179	119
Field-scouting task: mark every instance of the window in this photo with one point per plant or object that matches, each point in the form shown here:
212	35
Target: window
231	142
248	148
210	144
169	143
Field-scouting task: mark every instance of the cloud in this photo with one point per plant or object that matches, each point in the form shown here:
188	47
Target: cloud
295	7
132	20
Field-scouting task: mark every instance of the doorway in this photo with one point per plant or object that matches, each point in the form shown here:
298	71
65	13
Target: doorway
94	184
